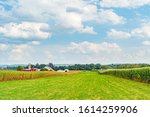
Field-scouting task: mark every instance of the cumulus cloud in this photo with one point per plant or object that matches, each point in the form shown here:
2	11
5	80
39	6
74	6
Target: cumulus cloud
146	43
13	53
68	14
88	30
88	47
35	43
108	16
115	34
124	3
3	46
25	30
142	32
19	52
83	52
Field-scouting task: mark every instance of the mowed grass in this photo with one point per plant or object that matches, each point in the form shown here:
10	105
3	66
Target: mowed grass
82	86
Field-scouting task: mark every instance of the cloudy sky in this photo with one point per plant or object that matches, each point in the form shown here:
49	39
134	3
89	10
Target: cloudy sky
74	31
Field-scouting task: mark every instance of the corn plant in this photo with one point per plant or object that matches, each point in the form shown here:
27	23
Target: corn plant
142	75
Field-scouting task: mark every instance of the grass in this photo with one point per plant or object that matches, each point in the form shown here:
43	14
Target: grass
86	85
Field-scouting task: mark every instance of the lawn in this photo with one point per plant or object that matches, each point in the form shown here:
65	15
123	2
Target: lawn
85	85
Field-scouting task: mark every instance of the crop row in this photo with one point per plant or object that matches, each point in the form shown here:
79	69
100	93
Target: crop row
142	75
20	75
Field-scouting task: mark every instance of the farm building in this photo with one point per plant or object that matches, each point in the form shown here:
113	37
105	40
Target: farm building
31	69
60	70
66	70
49	68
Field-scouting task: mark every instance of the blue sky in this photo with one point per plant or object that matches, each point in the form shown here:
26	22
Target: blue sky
74	31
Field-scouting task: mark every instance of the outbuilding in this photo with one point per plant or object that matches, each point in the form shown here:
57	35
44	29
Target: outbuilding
49	68
66	70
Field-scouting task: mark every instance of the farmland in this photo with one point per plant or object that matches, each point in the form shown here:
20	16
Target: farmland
141	75
77	86
21	75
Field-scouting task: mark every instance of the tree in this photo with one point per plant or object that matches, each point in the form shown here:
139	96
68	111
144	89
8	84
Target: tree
106	67
20	68
42	66
37	66
44	69
98	66
51	65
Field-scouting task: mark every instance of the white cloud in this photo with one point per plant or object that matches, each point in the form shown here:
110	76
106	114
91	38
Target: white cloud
88	30
74	21
88	47
35	43
124	3
3	46
114	34
108	16
68	14
20	53
83	52
25	30
142	32
146	43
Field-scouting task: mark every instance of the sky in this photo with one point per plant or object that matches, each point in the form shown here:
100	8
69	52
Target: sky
74	31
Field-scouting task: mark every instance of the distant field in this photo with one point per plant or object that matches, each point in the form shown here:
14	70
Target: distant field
81	86
22	75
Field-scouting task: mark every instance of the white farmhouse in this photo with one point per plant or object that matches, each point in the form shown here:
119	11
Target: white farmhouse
49	68
66	70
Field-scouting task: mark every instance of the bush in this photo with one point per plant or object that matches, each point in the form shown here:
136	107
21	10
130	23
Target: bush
20	68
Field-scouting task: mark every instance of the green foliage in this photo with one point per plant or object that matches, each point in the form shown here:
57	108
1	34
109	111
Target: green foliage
81	67
84	66
126	66
20	68
51	65
44	69
142	75
83	86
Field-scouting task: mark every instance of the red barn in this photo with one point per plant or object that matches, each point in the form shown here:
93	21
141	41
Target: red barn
32	69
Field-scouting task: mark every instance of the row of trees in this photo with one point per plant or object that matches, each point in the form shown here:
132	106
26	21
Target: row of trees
83	66
126	66
99	66
70	67
80	67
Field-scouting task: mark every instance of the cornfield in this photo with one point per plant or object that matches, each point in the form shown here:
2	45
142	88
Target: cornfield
21	75
142	75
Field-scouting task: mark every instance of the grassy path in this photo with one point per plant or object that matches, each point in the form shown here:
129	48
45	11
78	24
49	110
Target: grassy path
86	85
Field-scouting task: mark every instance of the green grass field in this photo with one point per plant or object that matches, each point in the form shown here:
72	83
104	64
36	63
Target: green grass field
85	85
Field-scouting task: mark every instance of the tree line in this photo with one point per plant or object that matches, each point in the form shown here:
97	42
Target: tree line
81	66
